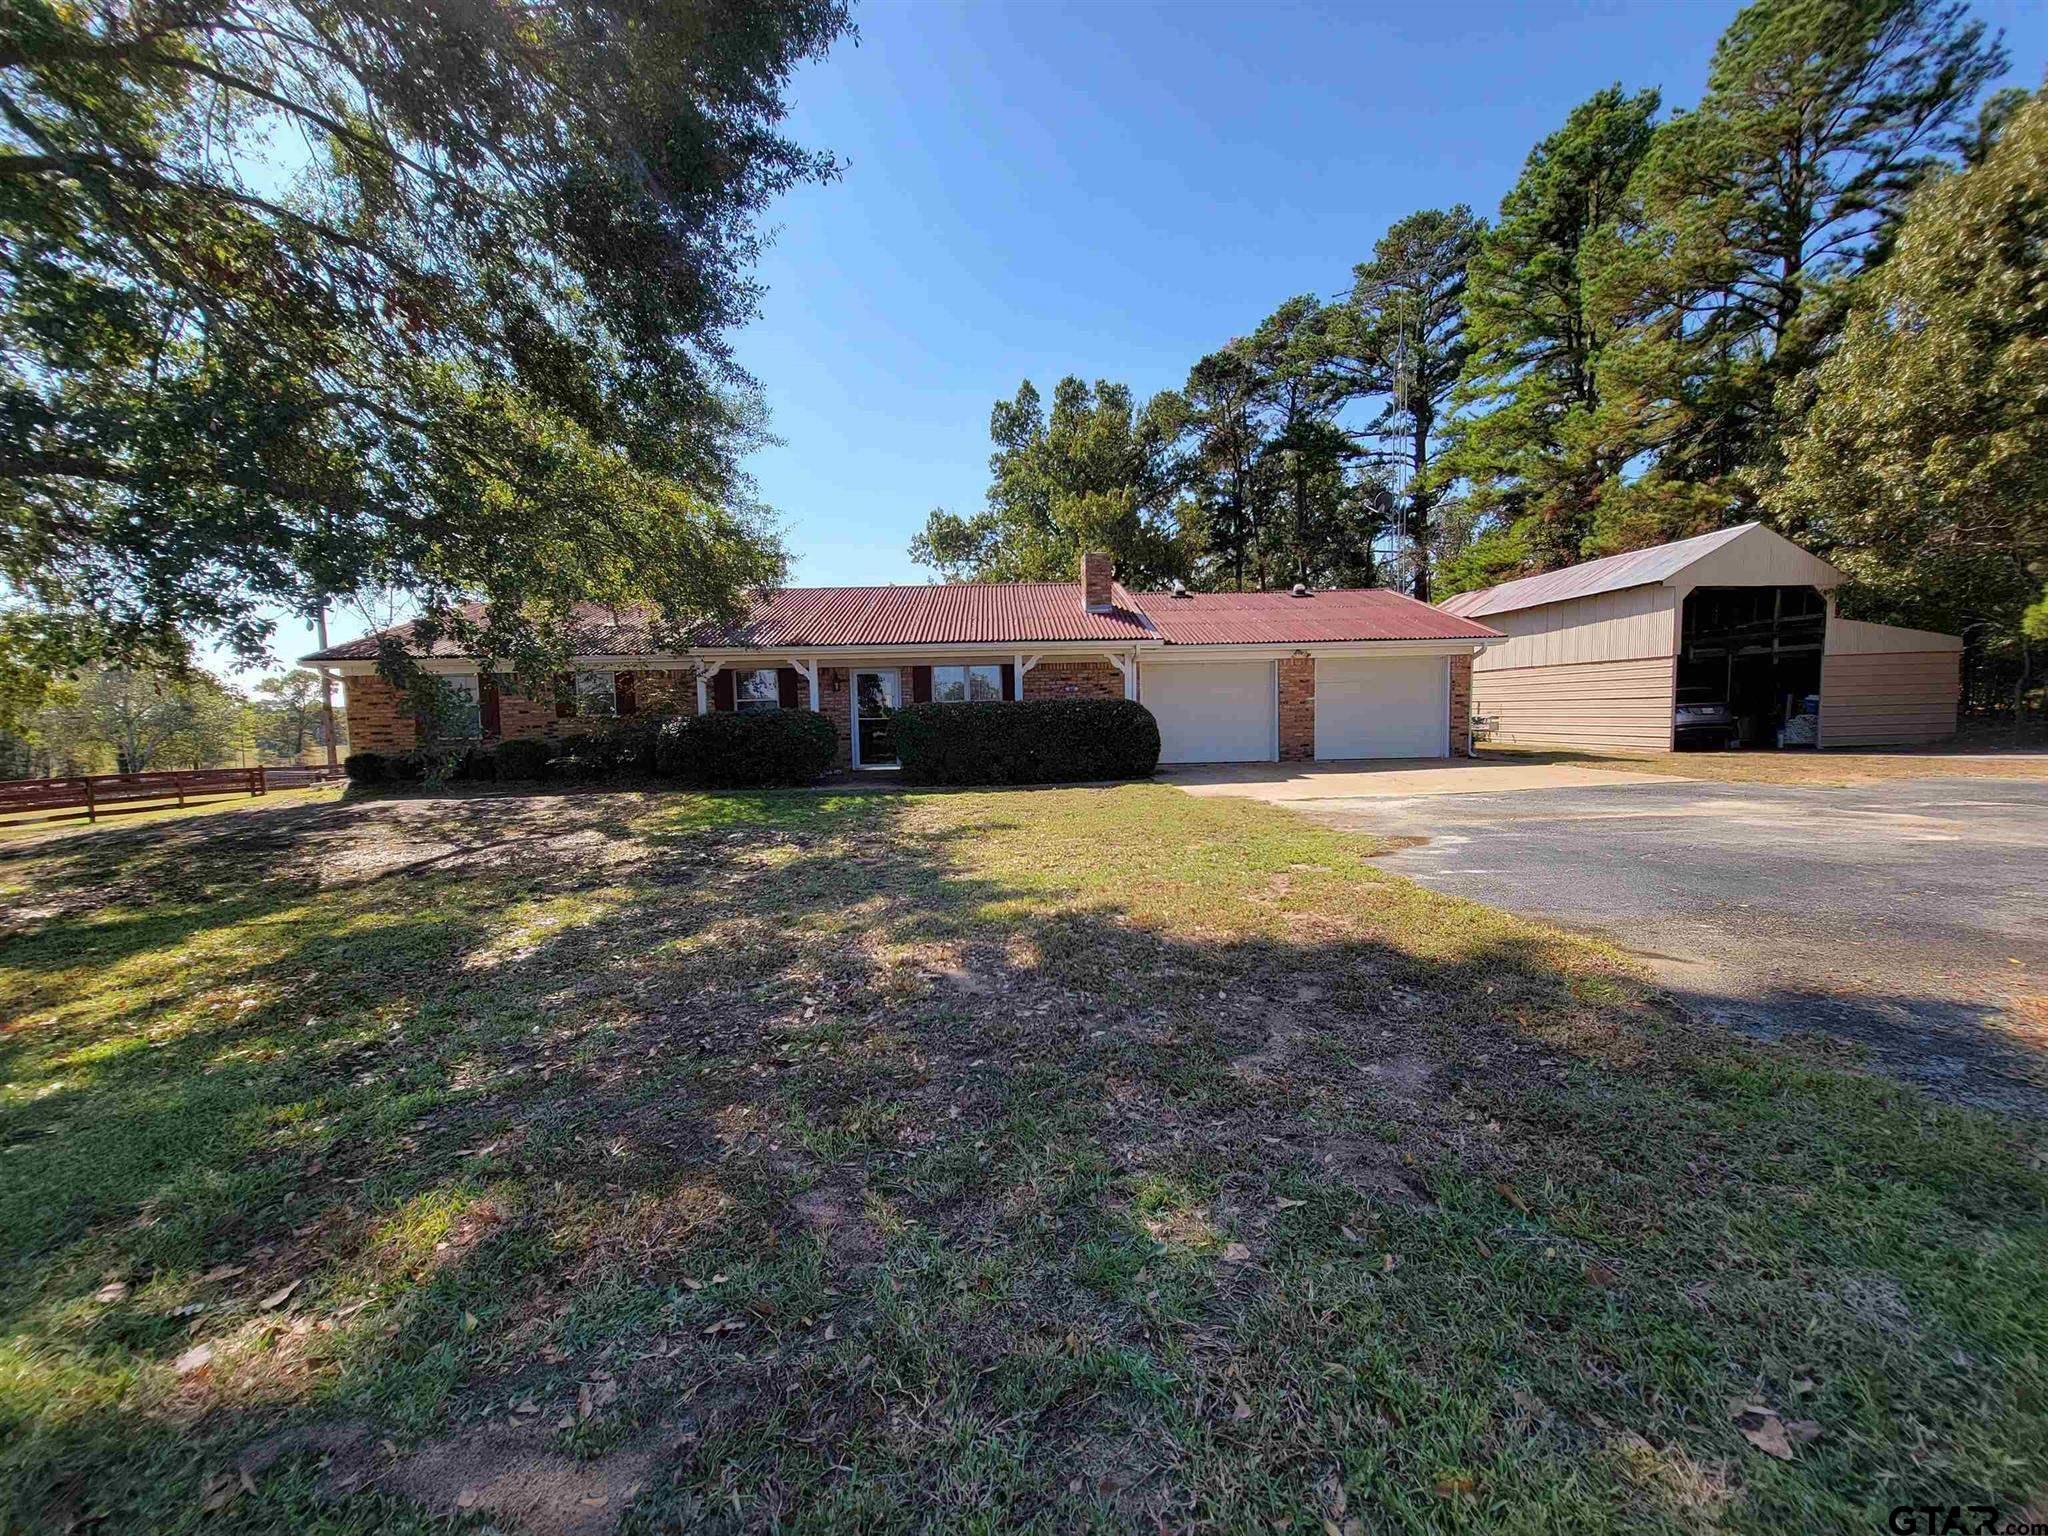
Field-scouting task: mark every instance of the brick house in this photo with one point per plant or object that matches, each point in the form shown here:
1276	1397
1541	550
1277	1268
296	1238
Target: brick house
1231	677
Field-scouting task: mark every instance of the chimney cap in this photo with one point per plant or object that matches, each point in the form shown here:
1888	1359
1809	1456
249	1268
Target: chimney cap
1301	590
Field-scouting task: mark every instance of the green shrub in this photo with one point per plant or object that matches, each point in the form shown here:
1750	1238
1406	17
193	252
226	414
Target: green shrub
523	757
408	767
622	746
579	766
367	768
1048	741
477	765
741	751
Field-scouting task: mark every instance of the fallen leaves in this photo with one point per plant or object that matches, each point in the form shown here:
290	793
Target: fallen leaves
1764	1429
1507	1193
196	1358
278	1298
1236	1253
111	1292
594	1396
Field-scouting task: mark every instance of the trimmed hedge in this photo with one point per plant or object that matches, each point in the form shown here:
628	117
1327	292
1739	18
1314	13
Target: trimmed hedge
367	768
1045	741
732	750
523	758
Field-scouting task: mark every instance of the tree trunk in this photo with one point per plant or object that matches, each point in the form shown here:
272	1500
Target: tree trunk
1418	512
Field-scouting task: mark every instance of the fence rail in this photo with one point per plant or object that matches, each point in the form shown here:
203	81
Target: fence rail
89	796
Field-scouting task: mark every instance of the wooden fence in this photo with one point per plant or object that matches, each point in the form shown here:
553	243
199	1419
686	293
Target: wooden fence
88	797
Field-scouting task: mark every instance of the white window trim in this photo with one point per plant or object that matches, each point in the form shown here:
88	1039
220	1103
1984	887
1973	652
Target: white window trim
469	683
743	705
610	695
967	671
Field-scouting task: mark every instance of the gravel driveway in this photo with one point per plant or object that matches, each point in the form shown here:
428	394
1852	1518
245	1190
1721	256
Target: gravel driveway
1909	916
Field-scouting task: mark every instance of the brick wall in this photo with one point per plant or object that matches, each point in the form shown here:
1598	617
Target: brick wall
1297	709
520	716
379	716
1461	706
1092	679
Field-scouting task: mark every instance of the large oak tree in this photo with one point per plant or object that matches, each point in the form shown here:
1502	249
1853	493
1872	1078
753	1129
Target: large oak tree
300	298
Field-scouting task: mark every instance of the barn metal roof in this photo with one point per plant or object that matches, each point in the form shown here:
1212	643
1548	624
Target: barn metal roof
1638	568
1281	618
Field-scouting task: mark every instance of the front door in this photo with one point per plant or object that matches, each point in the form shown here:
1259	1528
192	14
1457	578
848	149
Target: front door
876	696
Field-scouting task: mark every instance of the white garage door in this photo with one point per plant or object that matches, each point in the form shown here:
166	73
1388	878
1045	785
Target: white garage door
1397	707
1211	711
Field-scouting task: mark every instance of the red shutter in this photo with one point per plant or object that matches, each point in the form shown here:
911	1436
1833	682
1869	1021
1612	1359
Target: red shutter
920	685
786	683
565	696
721	690
622	693
487	705
1009	680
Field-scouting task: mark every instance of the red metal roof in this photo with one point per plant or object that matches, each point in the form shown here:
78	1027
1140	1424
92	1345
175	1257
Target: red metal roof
962	613
595	631
1008	613
1318	618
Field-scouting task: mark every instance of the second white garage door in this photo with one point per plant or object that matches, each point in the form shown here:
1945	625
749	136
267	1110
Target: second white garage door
1212	711
1398	707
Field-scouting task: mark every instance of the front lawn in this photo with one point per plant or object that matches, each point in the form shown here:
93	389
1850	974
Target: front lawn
1057	1159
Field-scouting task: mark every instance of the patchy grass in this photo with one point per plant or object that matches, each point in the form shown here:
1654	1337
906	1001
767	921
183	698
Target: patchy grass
1797	767
1053	1159
312	794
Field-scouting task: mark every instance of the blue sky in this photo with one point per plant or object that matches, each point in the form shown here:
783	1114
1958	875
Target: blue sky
1113	190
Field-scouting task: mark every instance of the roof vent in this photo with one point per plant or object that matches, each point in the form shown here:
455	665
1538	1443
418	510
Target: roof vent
1300	590
1180	588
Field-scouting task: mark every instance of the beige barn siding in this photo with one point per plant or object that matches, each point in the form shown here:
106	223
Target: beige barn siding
1627	625
1888	698
1760	558
1603	705
1855	637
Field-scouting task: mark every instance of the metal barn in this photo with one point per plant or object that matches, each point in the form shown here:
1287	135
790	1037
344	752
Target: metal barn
1602	655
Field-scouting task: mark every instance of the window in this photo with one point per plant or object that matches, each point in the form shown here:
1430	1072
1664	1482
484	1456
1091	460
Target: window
958	685
757	689
458	714
596	694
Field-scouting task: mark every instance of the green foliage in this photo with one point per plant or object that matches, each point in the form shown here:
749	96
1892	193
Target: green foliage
367	768
733	749
1046	741
1528	446
308	299
1097	473
523	758
612	749
1922	466
103	719
1498	553
1751	217
1401	341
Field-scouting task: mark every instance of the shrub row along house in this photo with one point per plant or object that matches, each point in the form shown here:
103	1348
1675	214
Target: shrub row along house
1230	677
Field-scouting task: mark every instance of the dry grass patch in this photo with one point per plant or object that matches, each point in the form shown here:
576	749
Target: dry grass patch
1052	1159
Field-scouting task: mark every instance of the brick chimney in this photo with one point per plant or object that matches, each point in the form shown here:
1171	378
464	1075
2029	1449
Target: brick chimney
1097	569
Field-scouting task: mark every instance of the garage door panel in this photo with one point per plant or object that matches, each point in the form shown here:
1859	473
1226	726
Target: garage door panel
1211	712
1397	706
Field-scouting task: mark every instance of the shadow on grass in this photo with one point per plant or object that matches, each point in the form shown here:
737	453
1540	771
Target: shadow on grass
879	1161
